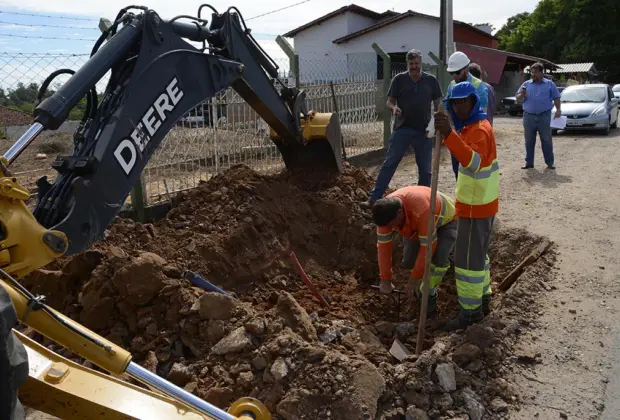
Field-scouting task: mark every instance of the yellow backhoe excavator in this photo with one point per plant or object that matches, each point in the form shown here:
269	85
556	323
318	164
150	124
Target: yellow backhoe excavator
156	77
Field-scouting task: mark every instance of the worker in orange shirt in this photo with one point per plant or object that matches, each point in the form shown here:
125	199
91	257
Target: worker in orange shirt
405	212
472	142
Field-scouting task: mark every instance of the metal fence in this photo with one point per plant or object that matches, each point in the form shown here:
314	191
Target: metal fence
218	133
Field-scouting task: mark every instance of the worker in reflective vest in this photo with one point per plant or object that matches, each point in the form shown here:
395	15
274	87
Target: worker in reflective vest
477	198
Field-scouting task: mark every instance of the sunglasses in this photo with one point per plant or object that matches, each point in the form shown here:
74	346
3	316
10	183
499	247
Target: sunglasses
454	73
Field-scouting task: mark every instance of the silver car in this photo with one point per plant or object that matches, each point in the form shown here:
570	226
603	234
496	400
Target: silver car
589	107
616	90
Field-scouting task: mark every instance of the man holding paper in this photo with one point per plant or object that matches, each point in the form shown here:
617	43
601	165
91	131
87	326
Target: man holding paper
538	96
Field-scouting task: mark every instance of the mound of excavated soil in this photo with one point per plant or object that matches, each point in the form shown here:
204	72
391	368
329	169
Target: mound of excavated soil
276	342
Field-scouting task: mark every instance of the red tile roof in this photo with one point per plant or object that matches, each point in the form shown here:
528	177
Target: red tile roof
401	16
350	8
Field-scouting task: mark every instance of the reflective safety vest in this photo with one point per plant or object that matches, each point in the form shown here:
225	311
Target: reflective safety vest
477	186
481	89
416	201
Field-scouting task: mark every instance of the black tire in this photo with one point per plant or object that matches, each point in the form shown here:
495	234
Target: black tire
13	361
554	132
513	113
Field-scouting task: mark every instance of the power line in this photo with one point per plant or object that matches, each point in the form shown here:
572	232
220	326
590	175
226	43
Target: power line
47	26
47	16
46	37
277	10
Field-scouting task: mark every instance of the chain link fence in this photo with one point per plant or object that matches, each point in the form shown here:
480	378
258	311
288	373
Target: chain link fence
220	132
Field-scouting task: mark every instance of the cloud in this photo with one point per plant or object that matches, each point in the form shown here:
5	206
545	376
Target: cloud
14	27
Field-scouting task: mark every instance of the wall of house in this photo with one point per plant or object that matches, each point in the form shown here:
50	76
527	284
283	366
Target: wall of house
469	36
319	59
401	36
357	22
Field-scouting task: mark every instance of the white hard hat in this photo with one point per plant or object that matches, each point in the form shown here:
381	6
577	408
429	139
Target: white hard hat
457	61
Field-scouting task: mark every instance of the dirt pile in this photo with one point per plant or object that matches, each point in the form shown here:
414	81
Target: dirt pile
275	342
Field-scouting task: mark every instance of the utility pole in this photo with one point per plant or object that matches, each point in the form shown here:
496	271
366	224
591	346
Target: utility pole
449	30
442	31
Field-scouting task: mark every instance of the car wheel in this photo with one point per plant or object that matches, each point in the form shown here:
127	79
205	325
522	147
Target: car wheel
554	132
606	130
513	113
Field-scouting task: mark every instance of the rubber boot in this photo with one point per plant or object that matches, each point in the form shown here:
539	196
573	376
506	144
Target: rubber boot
431	309
465	319
486	305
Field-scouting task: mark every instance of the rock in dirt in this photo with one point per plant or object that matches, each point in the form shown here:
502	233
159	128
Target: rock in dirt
465	354
179	374
237	341
279	370
141	279
256	326
481	336
295	316
414	413
214	306
498	405
474	408
446	376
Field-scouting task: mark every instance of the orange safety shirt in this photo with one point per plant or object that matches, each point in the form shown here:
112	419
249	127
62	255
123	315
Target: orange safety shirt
477	186
416	201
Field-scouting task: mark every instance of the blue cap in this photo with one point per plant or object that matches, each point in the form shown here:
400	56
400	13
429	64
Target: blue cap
462	90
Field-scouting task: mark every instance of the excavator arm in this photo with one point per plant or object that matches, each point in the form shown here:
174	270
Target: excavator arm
156	77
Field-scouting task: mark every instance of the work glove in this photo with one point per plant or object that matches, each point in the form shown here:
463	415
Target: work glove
413	288
386	286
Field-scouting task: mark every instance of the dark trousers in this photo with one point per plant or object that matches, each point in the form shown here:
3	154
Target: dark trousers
400	140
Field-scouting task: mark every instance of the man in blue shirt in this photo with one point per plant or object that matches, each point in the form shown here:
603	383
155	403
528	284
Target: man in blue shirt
538	96
476	71
458	67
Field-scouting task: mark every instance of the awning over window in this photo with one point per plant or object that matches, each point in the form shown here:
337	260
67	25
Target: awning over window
492	62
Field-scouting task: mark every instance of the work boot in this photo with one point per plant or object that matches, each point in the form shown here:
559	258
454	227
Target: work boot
464	319
486	305
367	205
431	309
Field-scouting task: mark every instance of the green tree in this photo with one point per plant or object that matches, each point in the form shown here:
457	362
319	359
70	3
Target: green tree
23	98
565	31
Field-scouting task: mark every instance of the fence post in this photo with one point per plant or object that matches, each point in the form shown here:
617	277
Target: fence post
292	55
442	72
138	200
387	78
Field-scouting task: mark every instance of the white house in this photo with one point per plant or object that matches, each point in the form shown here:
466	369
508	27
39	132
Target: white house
339	44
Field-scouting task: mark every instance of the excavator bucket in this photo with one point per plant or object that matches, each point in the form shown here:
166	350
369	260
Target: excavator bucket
321	149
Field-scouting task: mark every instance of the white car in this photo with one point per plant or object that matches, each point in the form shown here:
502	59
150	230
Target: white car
589	107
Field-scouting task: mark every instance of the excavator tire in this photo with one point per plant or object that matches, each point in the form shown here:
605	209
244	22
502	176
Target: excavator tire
13	362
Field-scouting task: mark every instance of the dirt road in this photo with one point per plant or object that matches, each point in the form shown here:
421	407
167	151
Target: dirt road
577	207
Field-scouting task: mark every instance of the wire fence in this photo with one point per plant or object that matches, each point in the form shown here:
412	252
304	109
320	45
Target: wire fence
220	132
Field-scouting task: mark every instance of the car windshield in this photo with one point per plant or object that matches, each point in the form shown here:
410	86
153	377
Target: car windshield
584	94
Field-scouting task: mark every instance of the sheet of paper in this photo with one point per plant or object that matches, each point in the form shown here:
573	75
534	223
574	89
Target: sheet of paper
559	123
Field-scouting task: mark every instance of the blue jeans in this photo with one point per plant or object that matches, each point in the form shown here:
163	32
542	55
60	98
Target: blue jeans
400	140
541	124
